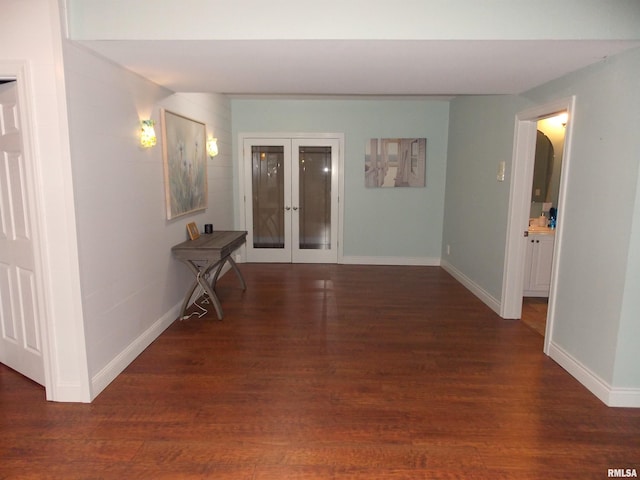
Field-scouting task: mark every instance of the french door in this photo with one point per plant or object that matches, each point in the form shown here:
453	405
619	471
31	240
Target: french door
291	199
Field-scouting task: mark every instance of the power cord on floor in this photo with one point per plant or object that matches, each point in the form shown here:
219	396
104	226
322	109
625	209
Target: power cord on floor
203	311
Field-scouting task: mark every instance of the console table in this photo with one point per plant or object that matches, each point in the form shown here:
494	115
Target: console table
202	255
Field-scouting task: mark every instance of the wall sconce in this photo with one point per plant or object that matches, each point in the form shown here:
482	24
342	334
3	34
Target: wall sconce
147	133
563	117
212	146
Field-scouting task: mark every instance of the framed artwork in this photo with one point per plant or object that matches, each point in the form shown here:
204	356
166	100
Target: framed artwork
395	162
192	228
185	164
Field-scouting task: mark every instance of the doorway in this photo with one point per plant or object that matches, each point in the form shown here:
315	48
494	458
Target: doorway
520	207
545	192
291	197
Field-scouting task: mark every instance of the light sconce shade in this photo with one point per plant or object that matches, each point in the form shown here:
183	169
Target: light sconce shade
147	133
212	146
563	117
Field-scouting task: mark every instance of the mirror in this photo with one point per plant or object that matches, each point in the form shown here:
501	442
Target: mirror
543	169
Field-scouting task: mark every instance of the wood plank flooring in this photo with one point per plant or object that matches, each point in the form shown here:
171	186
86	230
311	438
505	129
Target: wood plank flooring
534	313
327	372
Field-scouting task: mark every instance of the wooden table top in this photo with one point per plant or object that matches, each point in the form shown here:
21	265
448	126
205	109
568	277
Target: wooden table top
210	246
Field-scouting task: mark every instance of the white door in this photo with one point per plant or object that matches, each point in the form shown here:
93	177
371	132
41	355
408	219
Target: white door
291	199
20	340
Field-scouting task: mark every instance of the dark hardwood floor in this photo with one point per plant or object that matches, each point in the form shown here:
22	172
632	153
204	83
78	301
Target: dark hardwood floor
327	372
534	313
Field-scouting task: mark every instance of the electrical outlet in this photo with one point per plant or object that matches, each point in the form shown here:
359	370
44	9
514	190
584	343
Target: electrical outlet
448	249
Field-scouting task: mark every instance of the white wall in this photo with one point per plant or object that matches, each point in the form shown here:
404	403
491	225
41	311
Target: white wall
381	225
30	38
131	285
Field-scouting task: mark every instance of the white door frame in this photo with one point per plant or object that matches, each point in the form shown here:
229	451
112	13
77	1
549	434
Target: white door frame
242	194
520	205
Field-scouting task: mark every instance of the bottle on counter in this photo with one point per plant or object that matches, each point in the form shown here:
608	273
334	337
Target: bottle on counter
552	218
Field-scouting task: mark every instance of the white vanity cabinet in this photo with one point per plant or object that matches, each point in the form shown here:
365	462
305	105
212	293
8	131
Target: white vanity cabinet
537	271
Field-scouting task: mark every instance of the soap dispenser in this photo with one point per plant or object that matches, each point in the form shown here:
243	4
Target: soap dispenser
542	221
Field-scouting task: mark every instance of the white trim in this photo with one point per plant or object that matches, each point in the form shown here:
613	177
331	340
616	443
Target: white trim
610	396
517	222
519	198
489	300
115	367
406	261
624	397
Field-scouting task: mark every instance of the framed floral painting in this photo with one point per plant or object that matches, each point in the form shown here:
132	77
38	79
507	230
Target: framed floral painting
185	164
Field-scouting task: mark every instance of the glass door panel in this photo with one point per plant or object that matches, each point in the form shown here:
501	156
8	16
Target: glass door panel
314	169
268	196
315	200
267	180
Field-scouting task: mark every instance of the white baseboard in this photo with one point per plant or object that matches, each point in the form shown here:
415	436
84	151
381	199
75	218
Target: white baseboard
68	392
104	377
407	261
610	396
473	287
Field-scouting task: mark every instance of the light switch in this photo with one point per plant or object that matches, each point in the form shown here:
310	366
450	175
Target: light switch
501	169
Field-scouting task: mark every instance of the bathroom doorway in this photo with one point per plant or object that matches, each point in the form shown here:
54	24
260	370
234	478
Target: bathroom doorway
520	208
545	193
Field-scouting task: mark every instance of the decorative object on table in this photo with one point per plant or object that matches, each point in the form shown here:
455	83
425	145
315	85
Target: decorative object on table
185	165
395	162
192	228
208	228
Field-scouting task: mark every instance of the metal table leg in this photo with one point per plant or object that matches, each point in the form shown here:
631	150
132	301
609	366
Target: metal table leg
200	274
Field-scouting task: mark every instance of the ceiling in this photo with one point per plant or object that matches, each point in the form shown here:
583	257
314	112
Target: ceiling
354	67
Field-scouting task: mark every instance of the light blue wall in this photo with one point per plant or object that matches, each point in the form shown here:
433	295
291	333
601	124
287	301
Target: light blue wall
390	224
598	217
597	321
627	366
476	204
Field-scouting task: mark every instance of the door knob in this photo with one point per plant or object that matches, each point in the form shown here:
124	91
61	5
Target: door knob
295	208
287	208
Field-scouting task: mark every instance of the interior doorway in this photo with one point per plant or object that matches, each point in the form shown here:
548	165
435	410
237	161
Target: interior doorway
545	192
520	208
292	197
